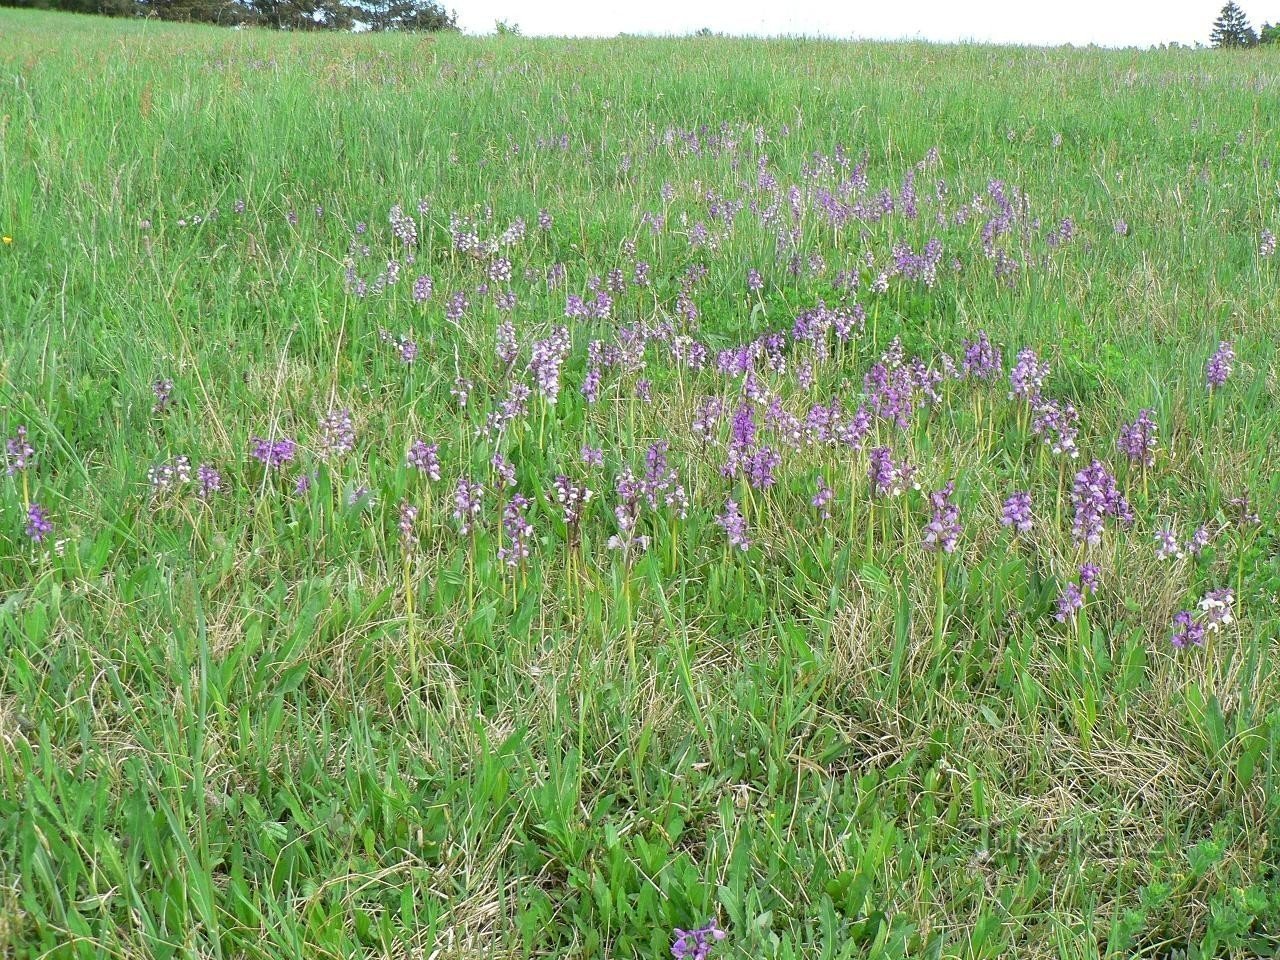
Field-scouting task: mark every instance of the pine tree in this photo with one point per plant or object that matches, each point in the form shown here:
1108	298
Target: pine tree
1232	29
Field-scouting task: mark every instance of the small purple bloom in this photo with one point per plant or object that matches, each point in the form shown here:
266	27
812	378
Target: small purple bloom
208	481
408	517
944	527
425	458
1090	577
1016	512
39	525
18	452
734	526
273	454
1187	631
337	435
517	530
1069	602
822	498
1218	369
1137	440
696	944
467	500
592	456
163	389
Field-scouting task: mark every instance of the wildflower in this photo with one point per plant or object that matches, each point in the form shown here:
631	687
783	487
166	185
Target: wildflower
982	358
302	486
1016	512
1267	244
361	496
408	517
504	468
696	944
572	498
337	435
547	357
1095	496
944	527
273	454
422	288
822	498
1069	602
734	526
1199	540
1057	423
1167	545
18	452
1186	630
1137	440
507	348
171	475
208	481
163	389
1090	577
644	390
425	458
887	478
39	525
759	468
1027	376
408	349
1216	607
1219	367
467	500
755	282
592	456
517	530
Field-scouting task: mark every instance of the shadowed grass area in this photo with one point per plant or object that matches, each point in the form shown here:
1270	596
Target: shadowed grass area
270	686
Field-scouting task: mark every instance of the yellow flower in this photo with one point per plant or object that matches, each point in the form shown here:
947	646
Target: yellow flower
8	240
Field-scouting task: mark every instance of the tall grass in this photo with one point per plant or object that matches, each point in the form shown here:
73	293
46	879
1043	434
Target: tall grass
263	724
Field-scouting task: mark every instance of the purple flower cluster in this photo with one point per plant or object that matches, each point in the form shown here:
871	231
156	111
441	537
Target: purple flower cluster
696	944
408	517
39	525
273	454
1095	496
822	499
1071	600
163	390
572	498
888	478
1027	377
425	458
944	527
982	359
1137	440
18	452
734	525
1214	612
1016	512
337	435
1218	369
468	498
517	529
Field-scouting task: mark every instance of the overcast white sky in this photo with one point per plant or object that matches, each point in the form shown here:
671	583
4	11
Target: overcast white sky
1115	23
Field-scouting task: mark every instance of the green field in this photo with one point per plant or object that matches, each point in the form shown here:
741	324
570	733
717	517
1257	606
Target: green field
312	707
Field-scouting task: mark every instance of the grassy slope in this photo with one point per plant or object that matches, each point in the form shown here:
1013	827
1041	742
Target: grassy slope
210	739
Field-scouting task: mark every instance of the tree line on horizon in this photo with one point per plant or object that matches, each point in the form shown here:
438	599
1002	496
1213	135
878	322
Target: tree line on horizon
276	14
1231	30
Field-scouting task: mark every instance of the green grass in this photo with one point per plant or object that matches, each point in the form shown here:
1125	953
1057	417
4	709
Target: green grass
258	727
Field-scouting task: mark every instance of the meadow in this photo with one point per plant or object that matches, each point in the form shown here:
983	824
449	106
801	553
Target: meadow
495	497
